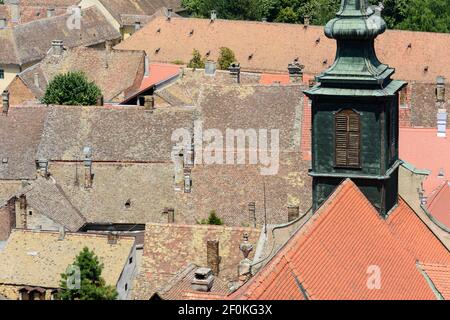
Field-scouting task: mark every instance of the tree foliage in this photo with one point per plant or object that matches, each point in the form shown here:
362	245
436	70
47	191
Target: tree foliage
92	285
72	88
226	58
197	62
418	15
213	219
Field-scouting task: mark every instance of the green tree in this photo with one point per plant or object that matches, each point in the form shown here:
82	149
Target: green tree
213	219
226	58
197	62
72	88
92	285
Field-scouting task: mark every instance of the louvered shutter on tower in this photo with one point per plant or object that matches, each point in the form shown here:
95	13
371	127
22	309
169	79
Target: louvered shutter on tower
347	139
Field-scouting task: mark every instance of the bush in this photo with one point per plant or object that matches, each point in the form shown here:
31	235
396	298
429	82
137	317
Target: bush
72	88
213	219
197	62
226	58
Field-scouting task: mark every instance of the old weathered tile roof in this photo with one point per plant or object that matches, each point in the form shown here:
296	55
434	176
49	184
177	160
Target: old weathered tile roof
148	188
434	154
31	41
439	275
21	131
439	204
143	19
114	133
116	72
39	258
270	47
170	247
138	7
46	197
349	240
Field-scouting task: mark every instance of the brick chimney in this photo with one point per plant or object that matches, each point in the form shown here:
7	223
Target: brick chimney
21	206
235	71
295	72
57	47
5	100
149	103
293	213
440	89
212	256
203	280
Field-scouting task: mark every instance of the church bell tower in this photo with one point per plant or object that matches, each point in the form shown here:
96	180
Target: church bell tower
355	117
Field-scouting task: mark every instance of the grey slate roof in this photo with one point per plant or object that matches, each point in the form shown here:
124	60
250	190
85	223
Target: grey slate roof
48	198
31	41
114	133
20	133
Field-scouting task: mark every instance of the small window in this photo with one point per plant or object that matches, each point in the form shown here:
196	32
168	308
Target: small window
126	286
347	139
2	74
130	261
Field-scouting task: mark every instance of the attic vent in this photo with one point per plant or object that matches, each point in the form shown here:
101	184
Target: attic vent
191	33
5	160
318	40
441	173
128	204
158	31
250	57
157	50
325	61
409	45
426	68
208	53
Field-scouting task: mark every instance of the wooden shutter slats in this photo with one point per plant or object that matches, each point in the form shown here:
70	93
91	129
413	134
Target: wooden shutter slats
347	139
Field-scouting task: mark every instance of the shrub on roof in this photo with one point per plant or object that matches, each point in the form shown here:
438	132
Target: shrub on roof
226	58
213	219
83	280
72	88
197	62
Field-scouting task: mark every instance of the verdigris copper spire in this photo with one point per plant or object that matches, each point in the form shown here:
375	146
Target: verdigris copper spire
355	28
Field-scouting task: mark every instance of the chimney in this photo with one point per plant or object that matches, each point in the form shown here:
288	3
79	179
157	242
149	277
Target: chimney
62	233
36	80
252	213
213	15
212	256
235	71
14	9
295	72
146	66
187	180
50	12
306	21
137	26
21	211
2	23
189	155
440	89
149	103
203	280
43	167
442	117
245	266
210	68
169	13
264	19
109	44
113	236
5	99
293	213
87	151
99	101
178	166
57	47
170	215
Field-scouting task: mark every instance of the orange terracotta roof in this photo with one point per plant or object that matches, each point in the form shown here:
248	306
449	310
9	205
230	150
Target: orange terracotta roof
331	256
439	204
425	150
269	78
270	47
439	275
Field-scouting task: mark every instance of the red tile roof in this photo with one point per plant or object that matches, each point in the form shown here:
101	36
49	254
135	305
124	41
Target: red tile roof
439	204
330	257
270	47
439	275
425	150
269	78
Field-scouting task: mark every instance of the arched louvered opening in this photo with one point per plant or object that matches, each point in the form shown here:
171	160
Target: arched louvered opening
347	139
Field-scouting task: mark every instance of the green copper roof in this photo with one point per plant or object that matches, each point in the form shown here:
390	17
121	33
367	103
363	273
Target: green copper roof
356	66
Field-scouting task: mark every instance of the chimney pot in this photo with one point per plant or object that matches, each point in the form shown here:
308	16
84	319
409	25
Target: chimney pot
203	280
295	71
212	256
57	47
293	213
5	99
235	71
210	67
213	15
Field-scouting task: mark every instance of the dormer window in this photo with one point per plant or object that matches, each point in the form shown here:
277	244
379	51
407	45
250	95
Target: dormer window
347	139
